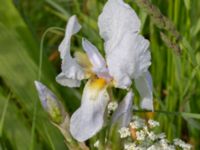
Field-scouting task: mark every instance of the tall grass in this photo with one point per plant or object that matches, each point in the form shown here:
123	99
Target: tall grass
176	78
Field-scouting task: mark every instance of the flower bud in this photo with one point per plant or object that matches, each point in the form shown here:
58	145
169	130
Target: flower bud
50	103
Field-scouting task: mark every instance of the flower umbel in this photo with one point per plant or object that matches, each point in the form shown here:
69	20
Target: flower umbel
112	106
153	123
127	58
124	132
145	138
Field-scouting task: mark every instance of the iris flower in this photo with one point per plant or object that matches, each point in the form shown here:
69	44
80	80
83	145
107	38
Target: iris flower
127	58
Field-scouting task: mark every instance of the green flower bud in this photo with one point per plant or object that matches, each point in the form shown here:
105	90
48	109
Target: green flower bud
50	103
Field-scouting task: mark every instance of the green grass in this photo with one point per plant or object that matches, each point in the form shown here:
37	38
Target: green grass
176	79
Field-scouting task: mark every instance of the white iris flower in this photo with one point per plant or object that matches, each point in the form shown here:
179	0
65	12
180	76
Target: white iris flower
127	58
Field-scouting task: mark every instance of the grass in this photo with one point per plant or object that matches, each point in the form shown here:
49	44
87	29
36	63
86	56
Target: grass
22	28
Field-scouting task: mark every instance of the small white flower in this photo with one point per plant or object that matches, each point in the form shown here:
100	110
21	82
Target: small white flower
152	136
186	146
140	135
161	136
153	147
140	148
96	144
182	144
145	129
177	141
130	146
161	146
170	147
164	143
124	132
112	106
138	123
153	123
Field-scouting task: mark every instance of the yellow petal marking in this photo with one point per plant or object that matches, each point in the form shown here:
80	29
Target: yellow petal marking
98	83
95	86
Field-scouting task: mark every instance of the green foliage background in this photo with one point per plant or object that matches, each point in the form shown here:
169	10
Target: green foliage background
176	79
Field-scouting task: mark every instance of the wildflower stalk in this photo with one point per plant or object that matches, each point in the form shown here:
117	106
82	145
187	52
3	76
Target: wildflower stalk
169	43
162	22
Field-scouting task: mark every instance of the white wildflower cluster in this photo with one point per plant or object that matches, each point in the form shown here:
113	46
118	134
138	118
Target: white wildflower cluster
153	123
182	144
165	145
161	136
130	146
140	135
124	132
112	106
143	137
152	136
137	123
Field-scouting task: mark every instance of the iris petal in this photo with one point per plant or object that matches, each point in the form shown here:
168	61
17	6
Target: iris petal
116	19
98	62
95	57
127	52
72	28
144	86
72	72
123	113
89	117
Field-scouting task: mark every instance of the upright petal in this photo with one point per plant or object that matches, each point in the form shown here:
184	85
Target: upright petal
116	19
72	72
127	52
128	60
98	62
50	103
89	118
72	28
123	113
95	57
67	81
144	86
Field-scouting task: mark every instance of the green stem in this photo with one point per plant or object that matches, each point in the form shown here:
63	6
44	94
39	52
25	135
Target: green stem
4	114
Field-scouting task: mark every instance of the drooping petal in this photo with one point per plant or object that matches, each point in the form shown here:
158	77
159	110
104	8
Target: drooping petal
123	113
50	103
66	81
144	86
98	62
127	52
89	118
72	72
